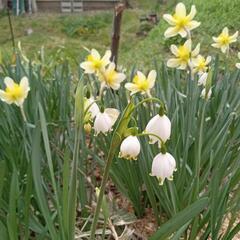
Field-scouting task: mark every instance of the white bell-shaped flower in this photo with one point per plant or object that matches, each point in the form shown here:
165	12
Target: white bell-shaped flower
91	106
105	120
163	167
130	148
159	126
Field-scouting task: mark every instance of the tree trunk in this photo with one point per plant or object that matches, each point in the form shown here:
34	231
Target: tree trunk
116	31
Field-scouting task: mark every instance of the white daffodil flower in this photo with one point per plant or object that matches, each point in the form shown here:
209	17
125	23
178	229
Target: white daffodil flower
203	79
14	92
163	166
181	22
105	120
130	148
224	40
141	83
238	64
159	126
206	96
94	62
183	55
200	64
110	77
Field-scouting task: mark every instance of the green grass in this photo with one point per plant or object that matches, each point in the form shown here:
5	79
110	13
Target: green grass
71	33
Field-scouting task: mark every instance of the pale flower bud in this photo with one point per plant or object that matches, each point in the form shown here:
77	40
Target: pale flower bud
203	79
87	128
163	167
206	96
159	126
130	148
105	120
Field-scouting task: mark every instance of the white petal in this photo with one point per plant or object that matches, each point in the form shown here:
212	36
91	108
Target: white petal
183	33
159	126
106	57
88	67
24	84
173	63
152	78
192	12
238	65
95	54
174	49
203	79
113	114
171	32
132	87
169	18
193	25
196	51
102	123
141	76
181	10
4	97
225	31
130	147
9	82
188	45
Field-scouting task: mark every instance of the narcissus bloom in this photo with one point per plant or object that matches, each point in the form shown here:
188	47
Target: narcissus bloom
130	148
159	126
163	166
200	64
224	40
184	55
110	77
141	83
181	22
238	64
94	62
105	120
14	92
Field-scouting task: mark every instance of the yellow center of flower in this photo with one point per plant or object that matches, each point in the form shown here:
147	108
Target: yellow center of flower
201	64
97	63
183	53
142	84
224	39
110	78
181	22
15	92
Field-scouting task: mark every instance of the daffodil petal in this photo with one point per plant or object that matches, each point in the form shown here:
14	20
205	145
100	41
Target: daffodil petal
169	18
181	10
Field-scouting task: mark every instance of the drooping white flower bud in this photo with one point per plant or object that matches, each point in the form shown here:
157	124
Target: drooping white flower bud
203	79
163	167
160	126
206	96
130	148
105	120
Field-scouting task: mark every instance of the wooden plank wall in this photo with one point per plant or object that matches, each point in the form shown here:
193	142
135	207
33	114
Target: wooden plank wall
58	5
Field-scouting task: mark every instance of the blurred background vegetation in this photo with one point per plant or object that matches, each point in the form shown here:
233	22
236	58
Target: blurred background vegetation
71	33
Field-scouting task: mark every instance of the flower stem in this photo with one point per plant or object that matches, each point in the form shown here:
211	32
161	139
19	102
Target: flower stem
102	189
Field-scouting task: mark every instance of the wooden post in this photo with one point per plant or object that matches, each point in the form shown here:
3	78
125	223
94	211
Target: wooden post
1	4
119	8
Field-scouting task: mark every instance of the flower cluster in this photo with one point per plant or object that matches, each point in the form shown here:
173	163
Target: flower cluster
187	58
158	129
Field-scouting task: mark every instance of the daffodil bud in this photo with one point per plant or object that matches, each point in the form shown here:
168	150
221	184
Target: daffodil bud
163	167
130	148
159	126
105	120
206	95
